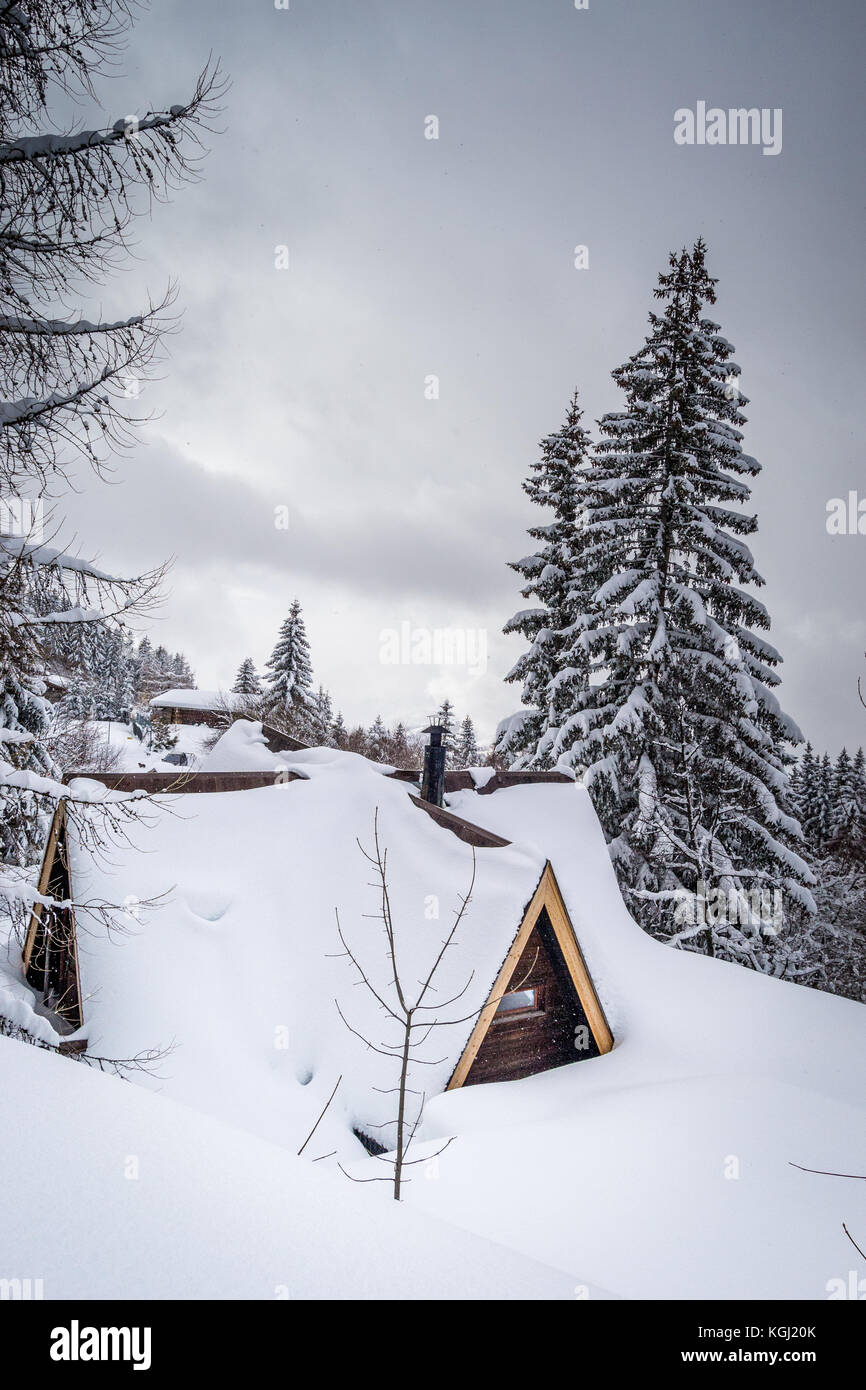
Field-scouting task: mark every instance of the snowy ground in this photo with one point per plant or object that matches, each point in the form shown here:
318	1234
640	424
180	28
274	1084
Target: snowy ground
662	1170
134	756
109	1192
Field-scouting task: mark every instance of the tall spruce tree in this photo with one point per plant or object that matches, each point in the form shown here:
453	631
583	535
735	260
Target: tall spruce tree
552	670
290	674
680	733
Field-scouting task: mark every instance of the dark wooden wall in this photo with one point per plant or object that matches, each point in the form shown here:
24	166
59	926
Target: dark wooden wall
527	1043
278	742
165	714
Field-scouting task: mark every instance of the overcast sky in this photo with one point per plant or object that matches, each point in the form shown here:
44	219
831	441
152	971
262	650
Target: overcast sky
410	257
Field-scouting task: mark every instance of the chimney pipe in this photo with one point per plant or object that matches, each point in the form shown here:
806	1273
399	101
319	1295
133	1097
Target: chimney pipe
433	781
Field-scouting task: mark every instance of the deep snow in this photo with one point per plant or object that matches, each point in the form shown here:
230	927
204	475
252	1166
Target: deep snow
663	1169
109	1192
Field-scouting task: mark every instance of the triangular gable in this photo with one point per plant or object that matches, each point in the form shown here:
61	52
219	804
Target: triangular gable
546	907
50	955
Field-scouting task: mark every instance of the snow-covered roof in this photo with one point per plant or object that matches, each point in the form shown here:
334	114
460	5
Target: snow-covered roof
242	965
242	748
199	699
717	1072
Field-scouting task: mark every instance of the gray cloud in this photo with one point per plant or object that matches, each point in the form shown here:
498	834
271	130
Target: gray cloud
454	257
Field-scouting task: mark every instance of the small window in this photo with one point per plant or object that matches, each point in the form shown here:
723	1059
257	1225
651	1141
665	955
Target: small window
519	1001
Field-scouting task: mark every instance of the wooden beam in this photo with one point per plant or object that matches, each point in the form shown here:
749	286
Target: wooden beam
546	895
464	830
570	947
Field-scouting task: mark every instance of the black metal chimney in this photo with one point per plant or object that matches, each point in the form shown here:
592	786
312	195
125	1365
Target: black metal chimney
433	781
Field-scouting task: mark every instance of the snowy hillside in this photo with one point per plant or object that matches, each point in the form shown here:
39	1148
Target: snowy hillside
667	1164
129	754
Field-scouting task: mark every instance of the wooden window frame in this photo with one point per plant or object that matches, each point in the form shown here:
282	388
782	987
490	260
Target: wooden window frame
533	1010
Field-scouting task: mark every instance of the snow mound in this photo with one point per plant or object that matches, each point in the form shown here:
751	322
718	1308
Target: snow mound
242	748
160	1202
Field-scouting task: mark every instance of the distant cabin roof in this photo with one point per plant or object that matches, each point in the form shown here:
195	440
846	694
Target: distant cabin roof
198	699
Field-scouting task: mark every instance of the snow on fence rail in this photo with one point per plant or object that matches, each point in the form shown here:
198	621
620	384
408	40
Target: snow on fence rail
163	782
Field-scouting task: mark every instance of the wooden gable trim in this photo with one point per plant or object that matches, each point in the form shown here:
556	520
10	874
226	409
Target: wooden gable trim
547	895
48	857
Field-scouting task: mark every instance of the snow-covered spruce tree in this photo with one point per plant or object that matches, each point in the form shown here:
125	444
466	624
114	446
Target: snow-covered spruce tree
402	747
321	720
126	677
247	681
446	717
289	679
377	740
80	700
552	670
159	674
68	202
804	779
181	673
356	741
829	801
118	692
142	664
858	773
846	801
466	753
818	804
685	746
